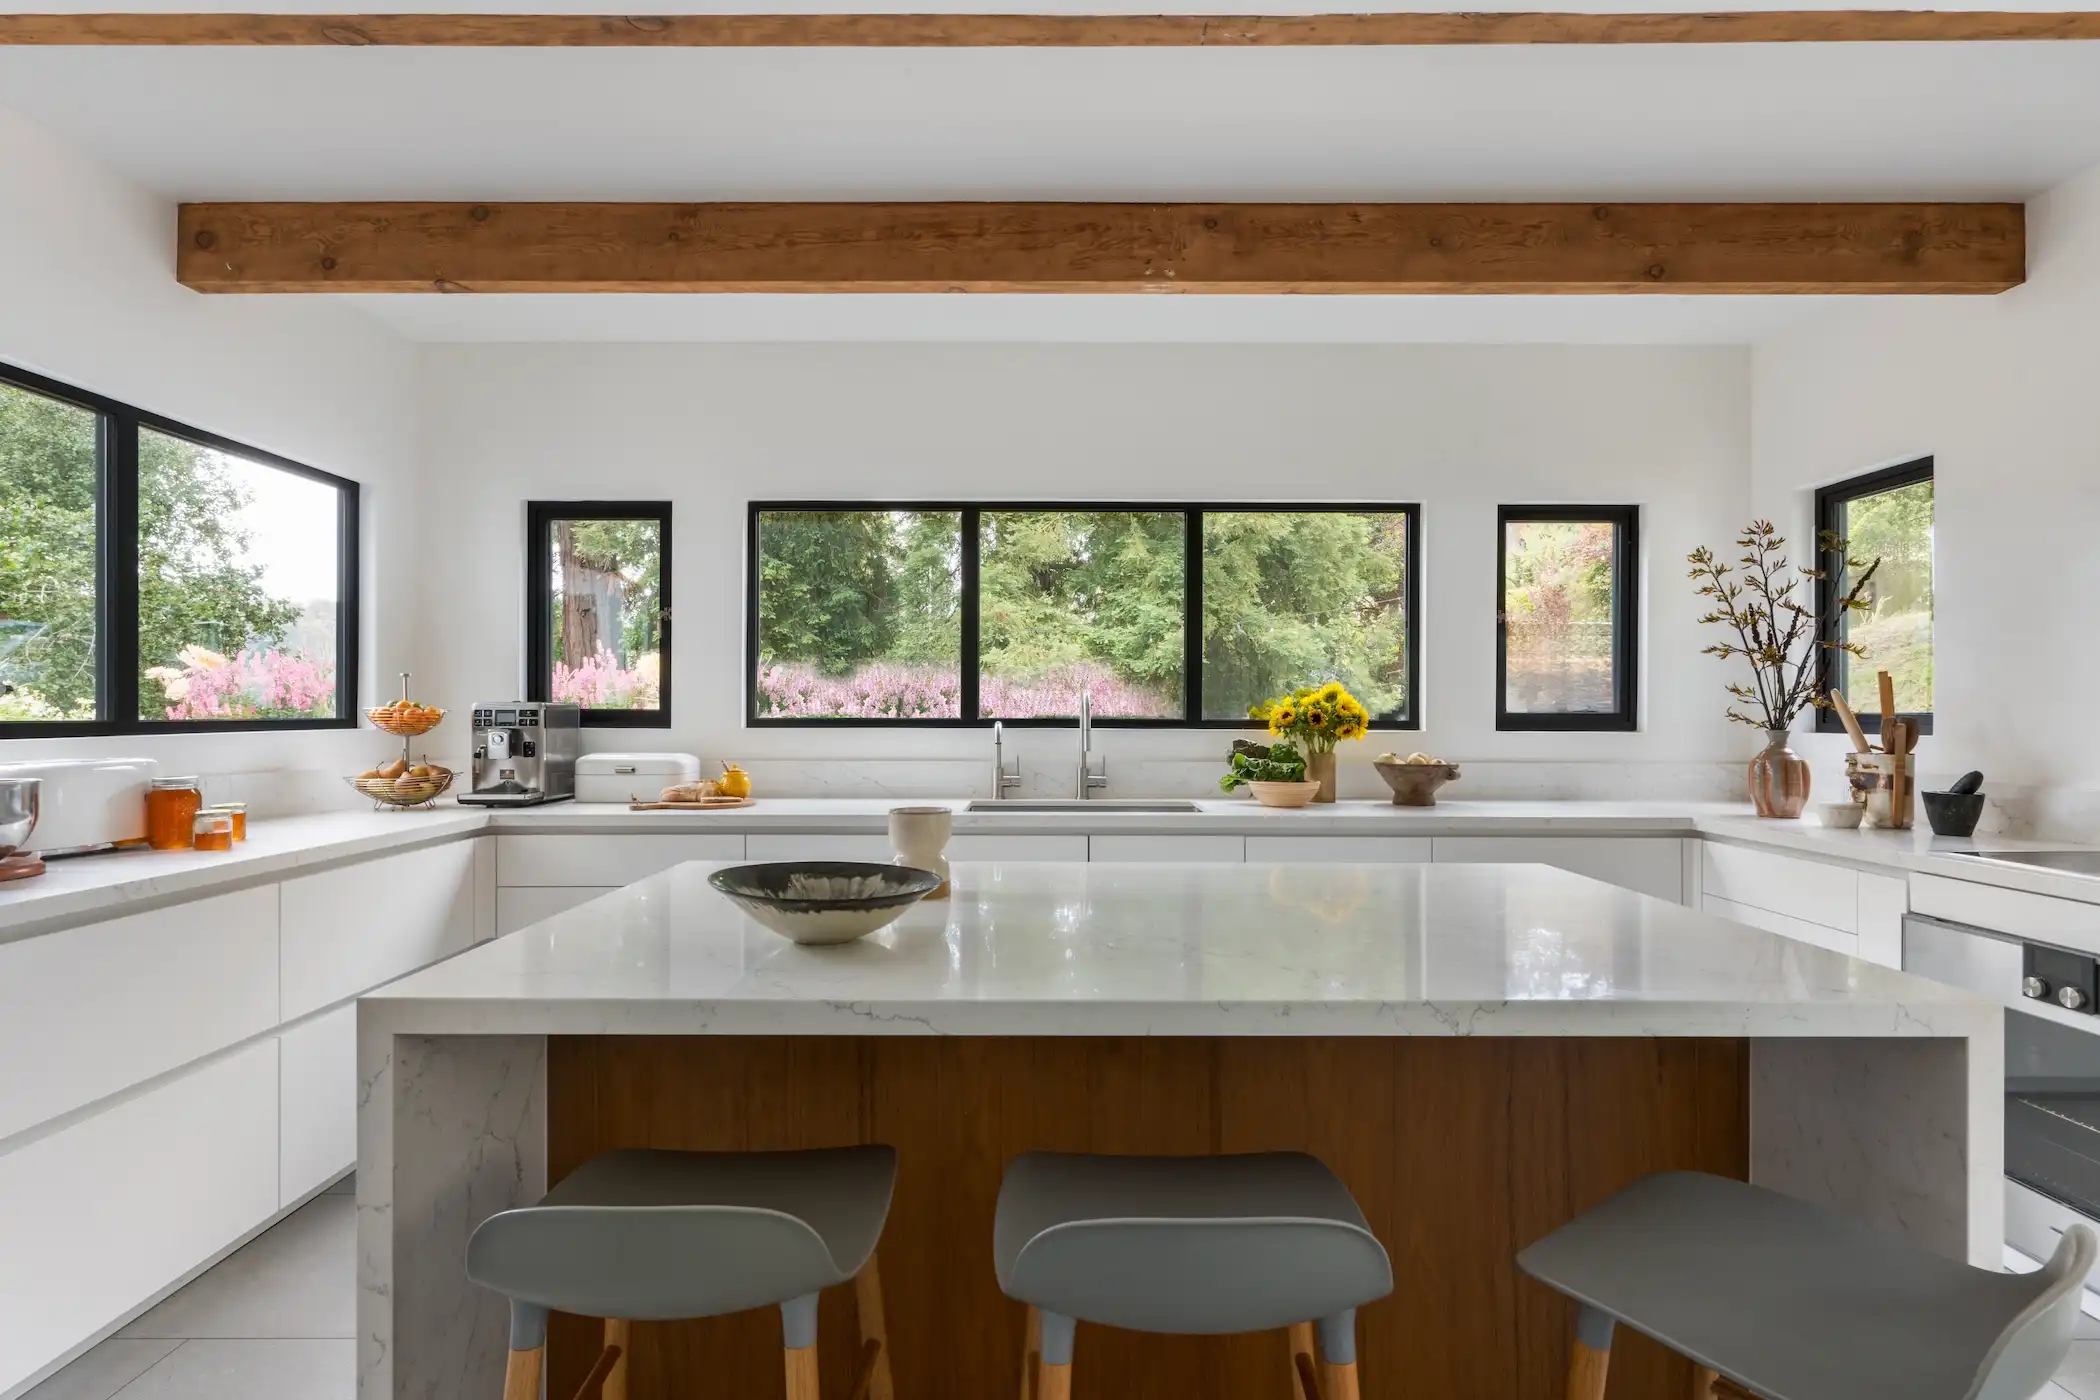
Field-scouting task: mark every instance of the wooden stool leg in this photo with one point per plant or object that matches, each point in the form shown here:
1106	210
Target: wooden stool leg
617	1333
1589	1362
1054	1374
1055	1382
1303	1358
801	1373
1031	1354
1702	1383
874	1327
521	1374
1338	1346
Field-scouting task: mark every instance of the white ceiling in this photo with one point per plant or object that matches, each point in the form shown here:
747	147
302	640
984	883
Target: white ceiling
1971	121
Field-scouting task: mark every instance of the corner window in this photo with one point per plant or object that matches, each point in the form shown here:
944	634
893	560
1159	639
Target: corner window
1886	515
1567	618
156	578
1163	614
599	595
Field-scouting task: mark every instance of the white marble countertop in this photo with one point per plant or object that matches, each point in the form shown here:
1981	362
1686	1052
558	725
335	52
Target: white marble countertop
1176	949
87	887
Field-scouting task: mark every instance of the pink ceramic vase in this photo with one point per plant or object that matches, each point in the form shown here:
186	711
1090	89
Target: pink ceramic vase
1779	778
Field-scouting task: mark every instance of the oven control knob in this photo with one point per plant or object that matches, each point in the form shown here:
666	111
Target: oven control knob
2072	998
2035	989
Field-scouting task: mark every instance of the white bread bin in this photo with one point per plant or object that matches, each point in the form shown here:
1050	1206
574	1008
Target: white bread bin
632	777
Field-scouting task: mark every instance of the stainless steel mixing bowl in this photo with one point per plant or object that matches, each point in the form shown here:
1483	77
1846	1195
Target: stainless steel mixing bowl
18	811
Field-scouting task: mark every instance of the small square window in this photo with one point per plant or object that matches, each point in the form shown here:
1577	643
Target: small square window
1567	618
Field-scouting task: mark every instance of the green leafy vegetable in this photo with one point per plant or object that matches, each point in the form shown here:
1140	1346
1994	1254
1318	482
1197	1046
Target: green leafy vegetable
1263	763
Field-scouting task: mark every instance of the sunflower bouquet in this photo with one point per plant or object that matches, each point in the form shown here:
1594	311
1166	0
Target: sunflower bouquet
1317	718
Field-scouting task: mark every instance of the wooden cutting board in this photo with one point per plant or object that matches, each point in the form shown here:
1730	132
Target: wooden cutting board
705	804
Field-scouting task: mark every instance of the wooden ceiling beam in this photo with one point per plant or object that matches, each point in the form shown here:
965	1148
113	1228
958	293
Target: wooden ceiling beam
1046	247
1044	31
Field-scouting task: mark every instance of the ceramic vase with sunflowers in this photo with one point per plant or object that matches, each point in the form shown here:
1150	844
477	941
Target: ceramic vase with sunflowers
1316	719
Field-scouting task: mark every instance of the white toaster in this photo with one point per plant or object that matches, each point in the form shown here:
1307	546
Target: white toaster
87	804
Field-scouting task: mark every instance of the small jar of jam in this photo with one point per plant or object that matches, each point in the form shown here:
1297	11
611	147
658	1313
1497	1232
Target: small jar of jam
238	811
212	830
171	813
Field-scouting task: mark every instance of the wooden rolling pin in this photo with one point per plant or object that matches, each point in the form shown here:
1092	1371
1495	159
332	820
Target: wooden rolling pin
1859	736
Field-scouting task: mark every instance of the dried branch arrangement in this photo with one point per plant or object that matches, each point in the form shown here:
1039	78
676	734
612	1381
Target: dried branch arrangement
1774	632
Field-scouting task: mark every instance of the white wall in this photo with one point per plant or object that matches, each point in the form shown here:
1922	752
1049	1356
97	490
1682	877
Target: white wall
2001	391
1459	429
88	296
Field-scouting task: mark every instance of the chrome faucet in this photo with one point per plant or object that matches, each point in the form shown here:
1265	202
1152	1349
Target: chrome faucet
1089	777
1002	781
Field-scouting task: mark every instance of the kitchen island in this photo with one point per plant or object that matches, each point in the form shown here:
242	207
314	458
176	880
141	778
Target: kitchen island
1480	1051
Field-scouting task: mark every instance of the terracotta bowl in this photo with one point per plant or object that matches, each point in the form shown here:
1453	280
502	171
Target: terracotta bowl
1284	794
1415	784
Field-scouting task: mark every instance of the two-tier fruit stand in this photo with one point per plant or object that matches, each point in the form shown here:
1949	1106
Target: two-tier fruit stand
405	787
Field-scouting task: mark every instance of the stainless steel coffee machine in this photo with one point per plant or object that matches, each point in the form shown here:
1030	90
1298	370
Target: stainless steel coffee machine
524	753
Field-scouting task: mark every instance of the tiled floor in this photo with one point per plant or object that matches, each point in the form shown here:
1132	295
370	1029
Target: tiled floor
275	1321
278	1321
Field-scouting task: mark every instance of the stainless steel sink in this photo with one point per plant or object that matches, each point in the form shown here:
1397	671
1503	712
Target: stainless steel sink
1026	807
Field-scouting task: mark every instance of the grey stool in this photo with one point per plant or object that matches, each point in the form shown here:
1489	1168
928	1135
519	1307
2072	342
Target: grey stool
1185	1245
658	1235
1778	1299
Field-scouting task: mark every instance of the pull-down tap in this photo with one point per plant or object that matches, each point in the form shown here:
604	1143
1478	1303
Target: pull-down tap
1089	778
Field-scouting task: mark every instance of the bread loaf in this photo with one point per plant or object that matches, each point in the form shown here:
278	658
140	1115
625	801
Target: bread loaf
689	792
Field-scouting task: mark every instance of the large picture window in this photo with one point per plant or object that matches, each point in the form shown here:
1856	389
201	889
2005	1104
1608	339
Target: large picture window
599	590
154	577
926	613
1885	515
1567	617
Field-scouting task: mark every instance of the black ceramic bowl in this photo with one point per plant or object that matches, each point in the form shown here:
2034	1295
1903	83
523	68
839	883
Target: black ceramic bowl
1952	813
824	901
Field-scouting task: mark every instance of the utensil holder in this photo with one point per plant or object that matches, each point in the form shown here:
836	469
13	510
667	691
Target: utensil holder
1892	793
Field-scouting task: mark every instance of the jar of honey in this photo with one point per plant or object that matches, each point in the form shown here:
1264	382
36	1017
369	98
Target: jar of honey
238	811
171	813
212	830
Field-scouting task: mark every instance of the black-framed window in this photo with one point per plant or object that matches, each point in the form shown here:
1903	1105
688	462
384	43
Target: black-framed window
598	591
156	578
1167	614
1567	617
1885	515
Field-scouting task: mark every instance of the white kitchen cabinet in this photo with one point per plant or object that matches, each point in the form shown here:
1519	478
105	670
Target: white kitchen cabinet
349	929
1836	940
977	846
1211	850
89	1011
1883	901
787	845
316	1102
608	861
516	909
113	1210
1808	890
1652	865
1390	850
2068	923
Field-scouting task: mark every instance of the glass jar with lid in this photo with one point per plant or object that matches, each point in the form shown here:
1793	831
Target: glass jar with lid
238	811
212	830
171	813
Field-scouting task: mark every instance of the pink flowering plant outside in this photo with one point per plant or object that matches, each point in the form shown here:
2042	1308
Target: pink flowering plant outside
254	683
601	683
886	690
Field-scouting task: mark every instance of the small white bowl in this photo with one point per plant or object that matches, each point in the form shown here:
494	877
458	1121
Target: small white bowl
1839	816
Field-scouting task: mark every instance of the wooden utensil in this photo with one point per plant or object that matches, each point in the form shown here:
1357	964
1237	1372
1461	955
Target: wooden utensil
1859	736
1888	708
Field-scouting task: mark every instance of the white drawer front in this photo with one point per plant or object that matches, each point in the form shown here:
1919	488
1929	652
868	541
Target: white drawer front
1883	901
516	909
1211	849
317	1102
112	1210
1836	940
350	929
1648	864
816	846
970	846
1391	850
606	862
2068	923
89	1011
1803	889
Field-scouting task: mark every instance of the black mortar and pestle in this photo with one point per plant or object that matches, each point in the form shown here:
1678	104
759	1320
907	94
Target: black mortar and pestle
1956	811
